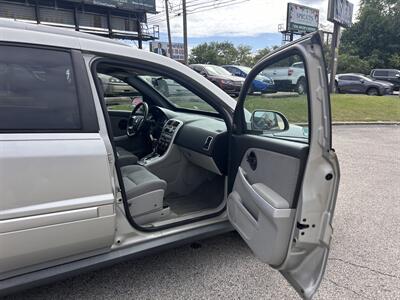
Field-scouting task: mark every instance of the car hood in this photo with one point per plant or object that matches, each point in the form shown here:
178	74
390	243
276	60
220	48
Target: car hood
228	77
294	131
384	83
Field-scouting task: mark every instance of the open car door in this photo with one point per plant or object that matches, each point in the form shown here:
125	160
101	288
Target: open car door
284	174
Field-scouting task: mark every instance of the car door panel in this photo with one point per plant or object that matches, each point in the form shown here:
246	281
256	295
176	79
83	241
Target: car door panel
280	163
138	145
62	203
283	190
119	121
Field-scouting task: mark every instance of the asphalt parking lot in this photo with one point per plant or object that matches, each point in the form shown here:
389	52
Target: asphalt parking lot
365	255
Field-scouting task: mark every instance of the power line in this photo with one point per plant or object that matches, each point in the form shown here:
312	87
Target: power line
208	7
191	4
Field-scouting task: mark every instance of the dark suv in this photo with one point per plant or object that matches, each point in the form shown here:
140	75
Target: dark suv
391	75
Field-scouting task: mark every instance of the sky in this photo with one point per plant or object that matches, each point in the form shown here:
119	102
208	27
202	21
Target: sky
251	22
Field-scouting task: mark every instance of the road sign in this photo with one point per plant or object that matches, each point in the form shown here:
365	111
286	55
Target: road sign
341	12
301	19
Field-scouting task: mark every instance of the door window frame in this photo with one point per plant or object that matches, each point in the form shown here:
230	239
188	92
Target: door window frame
190	84
239	119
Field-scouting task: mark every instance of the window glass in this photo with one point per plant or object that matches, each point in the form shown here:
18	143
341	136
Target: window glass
177	94
381	73
278	105
216	70
118	94
37	90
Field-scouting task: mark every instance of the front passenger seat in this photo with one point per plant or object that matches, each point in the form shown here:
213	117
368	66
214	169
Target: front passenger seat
144	190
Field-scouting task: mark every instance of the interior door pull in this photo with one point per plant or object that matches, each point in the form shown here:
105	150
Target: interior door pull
252	160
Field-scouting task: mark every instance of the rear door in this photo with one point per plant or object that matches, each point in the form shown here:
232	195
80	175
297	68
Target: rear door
284	174
57	201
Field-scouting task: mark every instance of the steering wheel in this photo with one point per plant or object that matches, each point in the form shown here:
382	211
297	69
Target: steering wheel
137	120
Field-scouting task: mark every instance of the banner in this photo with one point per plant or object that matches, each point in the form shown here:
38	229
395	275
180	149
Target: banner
341	12
301	19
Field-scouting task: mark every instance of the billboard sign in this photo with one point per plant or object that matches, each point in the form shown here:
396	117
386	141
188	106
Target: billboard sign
162	48
301	19
341	12
147	5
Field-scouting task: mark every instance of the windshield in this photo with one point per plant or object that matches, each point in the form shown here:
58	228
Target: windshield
365	78
245	69
216	70
177	94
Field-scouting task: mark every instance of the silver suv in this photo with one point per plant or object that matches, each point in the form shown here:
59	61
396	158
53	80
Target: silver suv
87	181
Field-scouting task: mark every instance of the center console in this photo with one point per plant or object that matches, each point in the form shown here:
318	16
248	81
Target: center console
164	143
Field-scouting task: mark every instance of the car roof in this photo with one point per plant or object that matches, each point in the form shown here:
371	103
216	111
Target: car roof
12	31
351	74
385	70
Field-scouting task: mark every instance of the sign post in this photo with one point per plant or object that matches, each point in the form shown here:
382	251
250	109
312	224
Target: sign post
340	12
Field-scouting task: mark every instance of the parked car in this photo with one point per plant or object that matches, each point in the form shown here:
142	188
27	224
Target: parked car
361	84
390	75
220	77
76	196
261	84
289	79
114	87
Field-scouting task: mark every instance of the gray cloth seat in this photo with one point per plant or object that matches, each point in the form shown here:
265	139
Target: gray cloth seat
138	181
125	157
123	152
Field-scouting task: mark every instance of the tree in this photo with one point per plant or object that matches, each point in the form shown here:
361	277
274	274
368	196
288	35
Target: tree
260	54
374	38
244	56
216	53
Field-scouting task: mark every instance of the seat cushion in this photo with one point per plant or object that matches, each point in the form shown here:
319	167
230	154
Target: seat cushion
138	180
123	152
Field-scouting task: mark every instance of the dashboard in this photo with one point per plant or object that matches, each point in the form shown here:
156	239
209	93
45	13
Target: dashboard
198	135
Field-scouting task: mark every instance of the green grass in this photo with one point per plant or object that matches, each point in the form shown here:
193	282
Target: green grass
344	107
365	108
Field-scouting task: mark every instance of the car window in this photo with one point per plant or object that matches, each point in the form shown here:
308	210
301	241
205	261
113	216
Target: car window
245	69
197	68
37	90
394	73
270	111
349	77
298	65
381	73
118	94
216	70
177	94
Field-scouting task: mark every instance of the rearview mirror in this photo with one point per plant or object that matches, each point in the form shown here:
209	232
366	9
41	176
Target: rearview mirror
266	120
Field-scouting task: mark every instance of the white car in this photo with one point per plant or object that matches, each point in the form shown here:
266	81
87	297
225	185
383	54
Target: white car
288	79
84	186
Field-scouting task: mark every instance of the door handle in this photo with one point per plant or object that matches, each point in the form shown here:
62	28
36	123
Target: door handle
252	160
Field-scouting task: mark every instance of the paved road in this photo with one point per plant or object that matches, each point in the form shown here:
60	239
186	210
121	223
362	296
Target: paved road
364	261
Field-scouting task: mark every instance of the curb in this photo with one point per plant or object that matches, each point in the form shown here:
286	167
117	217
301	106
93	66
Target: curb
367	123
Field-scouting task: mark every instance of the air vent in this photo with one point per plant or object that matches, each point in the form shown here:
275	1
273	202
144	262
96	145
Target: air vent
207	144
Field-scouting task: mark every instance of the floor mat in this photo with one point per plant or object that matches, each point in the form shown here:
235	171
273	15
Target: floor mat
208	195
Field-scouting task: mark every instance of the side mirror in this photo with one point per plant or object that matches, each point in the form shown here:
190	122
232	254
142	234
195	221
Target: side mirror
362	80
267	120
203	73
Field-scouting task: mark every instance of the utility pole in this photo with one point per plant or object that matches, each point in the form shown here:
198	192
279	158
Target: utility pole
168	29
185	41
334	53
